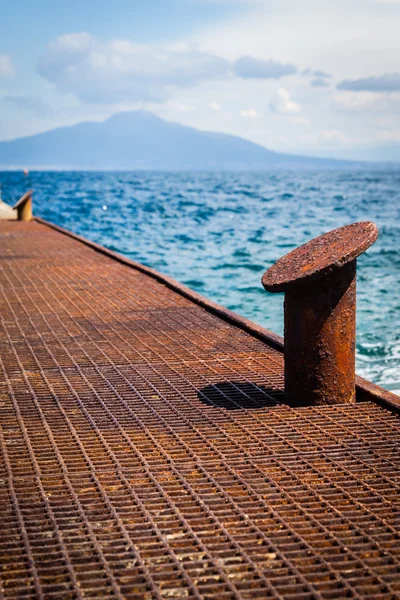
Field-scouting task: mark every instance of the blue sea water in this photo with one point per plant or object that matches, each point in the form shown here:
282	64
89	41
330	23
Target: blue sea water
219	232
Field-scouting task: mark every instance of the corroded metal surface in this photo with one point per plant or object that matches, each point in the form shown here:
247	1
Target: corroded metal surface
320	333
320	256
145	452
319	279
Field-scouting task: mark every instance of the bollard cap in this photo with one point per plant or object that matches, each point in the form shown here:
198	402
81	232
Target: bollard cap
23	199
320	256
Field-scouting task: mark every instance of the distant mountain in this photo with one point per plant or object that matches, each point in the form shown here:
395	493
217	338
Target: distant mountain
141	140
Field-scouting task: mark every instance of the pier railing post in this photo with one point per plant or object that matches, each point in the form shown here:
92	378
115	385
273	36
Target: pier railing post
24	207
319	281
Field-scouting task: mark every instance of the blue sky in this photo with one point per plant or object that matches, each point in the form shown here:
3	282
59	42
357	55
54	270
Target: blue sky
316	77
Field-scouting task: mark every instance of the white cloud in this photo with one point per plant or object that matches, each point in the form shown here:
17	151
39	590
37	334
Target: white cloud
352	101
255	68
390	136
308	31
319	82
7	68
389	82
299	120
32	104
232	2
282	104
215	106
367	102
179	107
334	138
123	71
250	113
316	73
120	70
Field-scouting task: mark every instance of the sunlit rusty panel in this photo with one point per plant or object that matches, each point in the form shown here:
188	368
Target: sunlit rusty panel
146	452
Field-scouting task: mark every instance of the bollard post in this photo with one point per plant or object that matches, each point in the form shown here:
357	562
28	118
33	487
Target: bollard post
319	281
24	207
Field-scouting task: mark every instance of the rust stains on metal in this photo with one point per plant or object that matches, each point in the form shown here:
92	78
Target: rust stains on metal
320	256
319	281
365	390
320	340
145	452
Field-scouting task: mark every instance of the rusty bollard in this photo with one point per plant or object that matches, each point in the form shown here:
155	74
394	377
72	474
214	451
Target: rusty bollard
319	281
24	207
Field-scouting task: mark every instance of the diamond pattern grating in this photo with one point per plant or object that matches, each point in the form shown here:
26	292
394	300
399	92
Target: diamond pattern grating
145	451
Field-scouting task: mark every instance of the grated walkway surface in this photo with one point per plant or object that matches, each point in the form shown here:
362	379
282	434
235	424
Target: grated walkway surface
145	452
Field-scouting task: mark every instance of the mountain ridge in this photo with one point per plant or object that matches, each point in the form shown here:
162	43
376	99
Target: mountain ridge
142	140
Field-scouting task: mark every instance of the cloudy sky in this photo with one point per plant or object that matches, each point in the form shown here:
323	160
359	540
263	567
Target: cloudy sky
315	77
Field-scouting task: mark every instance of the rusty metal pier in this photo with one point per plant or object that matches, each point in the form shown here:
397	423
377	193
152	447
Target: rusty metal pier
146	451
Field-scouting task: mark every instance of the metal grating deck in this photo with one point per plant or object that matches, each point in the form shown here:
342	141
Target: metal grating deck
145	453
